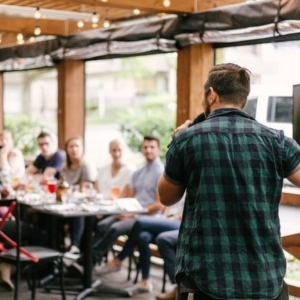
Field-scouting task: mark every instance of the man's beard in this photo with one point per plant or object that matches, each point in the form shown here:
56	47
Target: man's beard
207	107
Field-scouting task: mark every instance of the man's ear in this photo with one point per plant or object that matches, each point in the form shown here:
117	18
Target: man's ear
212	96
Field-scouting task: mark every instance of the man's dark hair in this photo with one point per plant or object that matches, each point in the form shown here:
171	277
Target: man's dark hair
44	134
152	138
231	82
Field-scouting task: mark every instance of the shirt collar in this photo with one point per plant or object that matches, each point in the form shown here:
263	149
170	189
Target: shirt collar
228	111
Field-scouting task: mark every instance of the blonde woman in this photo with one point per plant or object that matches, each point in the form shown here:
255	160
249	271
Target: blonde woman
114	178
11	159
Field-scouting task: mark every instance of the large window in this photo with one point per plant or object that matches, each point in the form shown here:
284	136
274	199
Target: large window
251	106
280	109
126	98
30	105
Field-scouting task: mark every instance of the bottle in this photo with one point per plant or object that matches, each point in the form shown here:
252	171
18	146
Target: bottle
62	188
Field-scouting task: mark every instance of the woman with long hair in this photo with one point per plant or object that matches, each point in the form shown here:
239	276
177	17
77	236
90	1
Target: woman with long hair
77	171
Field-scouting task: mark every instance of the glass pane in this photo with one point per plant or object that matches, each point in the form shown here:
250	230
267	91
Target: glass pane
128	98
30	105
250	107
280	109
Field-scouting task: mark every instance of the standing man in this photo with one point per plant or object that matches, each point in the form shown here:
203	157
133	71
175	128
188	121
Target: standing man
50	161
232	169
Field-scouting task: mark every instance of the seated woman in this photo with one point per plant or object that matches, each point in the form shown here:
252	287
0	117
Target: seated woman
77	171
114	177
12	165
11	159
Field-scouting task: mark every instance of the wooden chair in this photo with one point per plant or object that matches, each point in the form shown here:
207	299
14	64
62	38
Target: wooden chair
31	257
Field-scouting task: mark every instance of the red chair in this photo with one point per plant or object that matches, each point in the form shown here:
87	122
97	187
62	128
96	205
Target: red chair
31	256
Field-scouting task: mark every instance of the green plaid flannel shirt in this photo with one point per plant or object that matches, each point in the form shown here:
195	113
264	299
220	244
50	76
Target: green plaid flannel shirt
233	168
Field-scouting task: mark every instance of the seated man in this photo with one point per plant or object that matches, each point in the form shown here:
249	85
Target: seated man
50	161
143	188
167	244
145	231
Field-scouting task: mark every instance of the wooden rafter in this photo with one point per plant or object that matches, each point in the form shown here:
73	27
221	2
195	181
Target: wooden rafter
154	6
114	10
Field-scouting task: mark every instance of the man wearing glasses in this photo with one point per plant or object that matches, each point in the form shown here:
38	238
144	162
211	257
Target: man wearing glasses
50	161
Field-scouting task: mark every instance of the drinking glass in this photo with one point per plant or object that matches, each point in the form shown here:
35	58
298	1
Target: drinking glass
89	191
30	183
14	178
115	192
51	184
86	188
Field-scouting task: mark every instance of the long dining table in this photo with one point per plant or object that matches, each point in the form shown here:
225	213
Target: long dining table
88	210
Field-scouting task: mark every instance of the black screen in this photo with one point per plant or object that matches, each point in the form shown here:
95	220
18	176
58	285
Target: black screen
296	113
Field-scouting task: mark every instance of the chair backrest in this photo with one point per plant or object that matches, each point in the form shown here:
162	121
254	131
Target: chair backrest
13	206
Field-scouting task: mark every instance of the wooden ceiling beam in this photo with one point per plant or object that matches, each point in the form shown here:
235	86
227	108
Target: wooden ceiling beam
48	27
156	6
126	6
176	6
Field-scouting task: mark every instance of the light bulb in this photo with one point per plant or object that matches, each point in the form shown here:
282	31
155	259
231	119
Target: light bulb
106	23
94	25
20	37
136	11
37	30
104	0
37	13
166	3
80	24
0	38
95	18
32	39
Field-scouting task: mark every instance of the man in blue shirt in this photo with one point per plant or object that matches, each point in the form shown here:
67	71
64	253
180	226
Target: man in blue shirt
50	161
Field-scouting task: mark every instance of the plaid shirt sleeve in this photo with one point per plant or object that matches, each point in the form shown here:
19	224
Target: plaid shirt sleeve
174	165
291	156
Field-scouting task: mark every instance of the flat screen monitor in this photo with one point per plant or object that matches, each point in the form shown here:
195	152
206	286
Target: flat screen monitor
296	113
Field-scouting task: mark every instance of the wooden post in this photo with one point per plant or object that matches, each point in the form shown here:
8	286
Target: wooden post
71	109
194	63
1	102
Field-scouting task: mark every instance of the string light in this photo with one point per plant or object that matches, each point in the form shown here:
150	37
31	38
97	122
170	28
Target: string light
20	38
160	15
80	24
166	3
37	13
106	23
136	11
37	30
95	17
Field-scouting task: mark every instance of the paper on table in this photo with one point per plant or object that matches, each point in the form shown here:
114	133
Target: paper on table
96	208
129	204
61	207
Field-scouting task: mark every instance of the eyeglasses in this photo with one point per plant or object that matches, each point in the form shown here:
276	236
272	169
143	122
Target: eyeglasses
43	144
